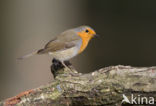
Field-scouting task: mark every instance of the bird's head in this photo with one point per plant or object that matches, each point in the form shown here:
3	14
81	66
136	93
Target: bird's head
85	32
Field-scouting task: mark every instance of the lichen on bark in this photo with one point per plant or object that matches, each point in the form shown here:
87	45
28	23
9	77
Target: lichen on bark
102	87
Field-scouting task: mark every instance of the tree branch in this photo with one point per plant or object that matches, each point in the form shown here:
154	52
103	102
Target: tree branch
105	86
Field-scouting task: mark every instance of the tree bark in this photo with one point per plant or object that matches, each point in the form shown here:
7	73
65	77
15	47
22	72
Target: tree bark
105	86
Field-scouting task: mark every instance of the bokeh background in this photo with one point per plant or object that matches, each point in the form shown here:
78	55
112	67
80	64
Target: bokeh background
127	29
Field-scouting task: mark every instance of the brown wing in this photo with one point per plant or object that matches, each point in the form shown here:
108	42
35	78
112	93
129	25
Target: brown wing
56	46
63	41
50	42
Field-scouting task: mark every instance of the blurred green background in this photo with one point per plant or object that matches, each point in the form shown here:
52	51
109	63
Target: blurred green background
127	29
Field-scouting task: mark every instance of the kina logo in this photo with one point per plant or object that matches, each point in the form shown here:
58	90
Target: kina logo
137	99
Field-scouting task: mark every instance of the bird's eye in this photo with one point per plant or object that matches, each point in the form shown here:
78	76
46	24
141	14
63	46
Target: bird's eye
87	30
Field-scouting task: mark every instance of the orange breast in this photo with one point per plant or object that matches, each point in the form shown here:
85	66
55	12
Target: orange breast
85	40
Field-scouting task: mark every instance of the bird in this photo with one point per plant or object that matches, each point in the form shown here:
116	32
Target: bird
67	44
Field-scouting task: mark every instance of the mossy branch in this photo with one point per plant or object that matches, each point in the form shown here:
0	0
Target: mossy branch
102	87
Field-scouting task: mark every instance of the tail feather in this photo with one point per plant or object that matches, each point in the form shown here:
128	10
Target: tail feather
28	55
41	51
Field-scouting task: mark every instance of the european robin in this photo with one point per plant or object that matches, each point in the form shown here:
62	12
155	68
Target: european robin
67	44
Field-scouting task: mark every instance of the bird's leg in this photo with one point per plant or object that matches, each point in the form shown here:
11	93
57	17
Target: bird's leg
69	66
67	63
59	65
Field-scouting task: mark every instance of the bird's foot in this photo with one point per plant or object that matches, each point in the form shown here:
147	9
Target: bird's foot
58	65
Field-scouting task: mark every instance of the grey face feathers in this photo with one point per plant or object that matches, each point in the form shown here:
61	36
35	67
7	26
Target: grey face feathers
82	28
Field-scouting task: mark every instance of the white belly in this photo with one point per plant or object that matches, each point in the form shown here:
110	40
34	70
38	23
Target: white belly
64	55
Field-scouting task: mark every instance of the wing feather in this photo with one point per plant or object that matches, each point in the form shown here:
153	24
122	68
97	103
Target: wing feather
64	41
